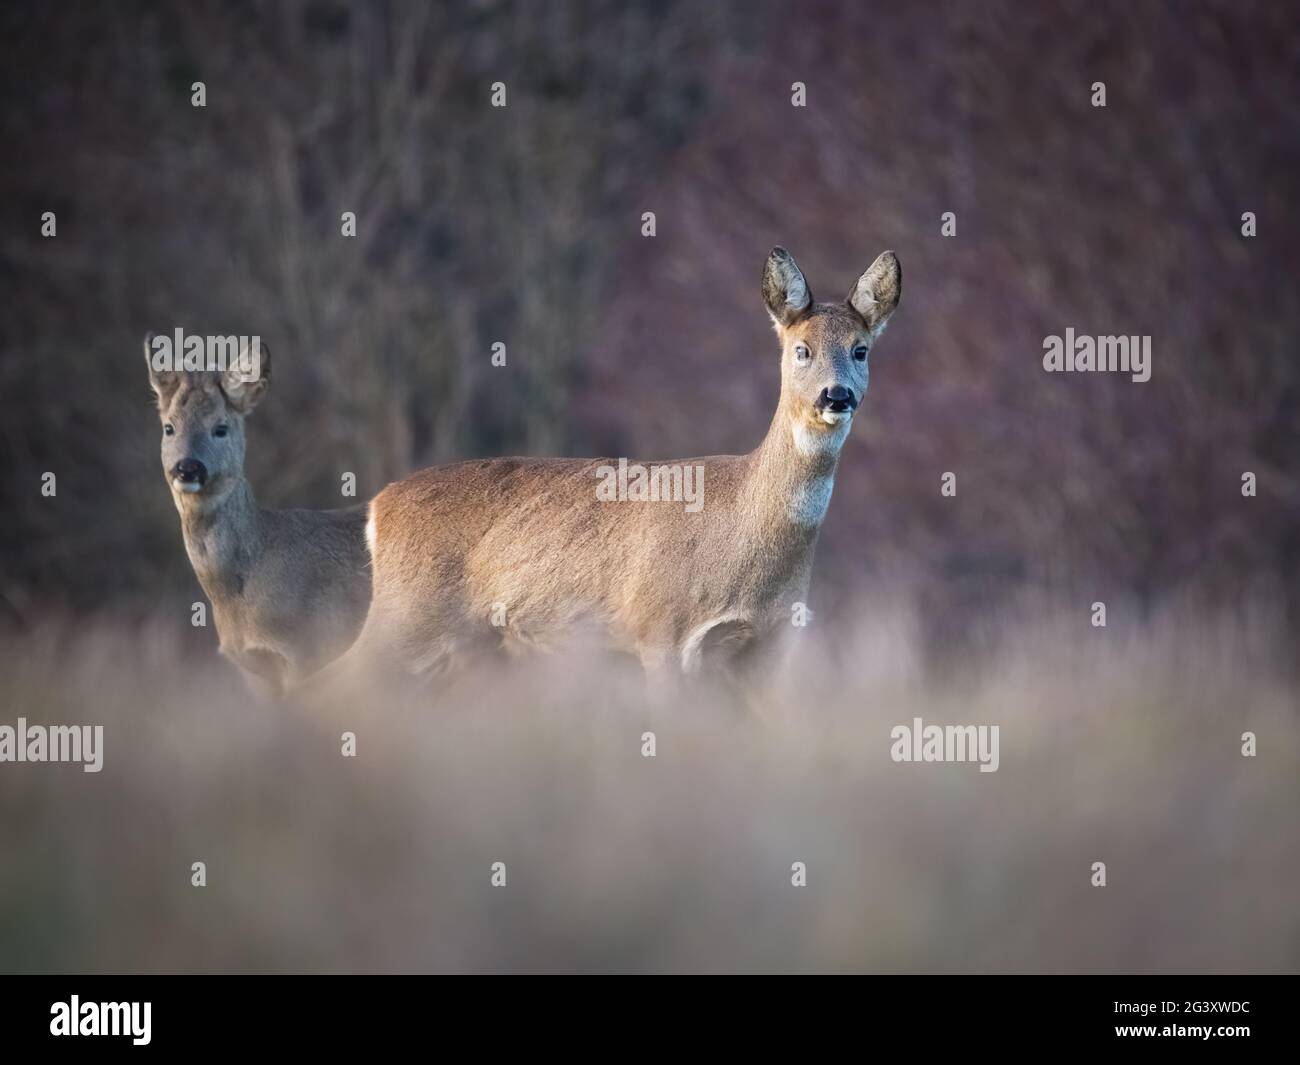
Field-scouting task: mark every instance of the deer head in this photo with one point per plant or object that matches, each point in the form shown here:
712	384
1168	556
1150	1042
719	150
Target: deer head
824	346
202	415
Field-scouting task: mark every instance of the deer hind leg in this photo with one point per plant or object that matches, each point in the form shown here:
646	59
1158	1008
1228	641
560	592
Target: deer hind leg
423	649
386	657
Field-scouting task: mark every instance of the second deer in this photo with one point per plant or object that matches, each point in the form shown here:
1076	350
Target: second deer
289	588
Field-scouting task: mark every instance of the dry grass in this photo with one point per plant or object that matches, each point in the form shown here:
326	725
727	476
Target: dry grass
1117	747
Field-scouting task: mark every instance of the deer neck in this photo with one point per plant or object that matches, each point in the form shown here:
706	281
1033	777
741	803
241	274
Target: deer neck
223	537
788	486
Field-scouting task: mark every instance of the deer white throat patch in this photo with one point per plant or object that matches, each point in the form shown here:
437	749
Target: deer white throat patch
810	499
809	441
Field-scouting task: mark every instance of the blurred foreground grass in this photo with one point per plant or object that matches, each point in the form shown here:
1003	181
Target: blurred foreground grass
1115	747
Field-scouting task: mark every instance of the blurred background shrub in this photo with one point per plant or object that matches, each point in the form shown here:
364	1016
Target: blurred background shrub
522	225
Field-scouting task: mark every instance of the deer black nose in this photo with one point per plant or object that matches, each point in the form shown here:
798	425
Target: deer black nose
191	471
836	398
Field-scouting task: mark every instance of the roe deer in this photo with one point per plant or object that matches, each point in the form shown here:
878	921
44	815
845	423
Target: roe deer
289	588
515	552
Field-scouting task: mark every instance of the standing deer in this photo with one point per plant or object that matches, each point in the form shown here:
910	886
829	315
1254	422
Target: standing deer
289	588
514	552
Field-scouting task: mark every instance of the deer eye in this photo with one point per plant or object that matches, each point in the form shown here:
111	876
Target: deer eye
801	353
168	430
860	353
221	430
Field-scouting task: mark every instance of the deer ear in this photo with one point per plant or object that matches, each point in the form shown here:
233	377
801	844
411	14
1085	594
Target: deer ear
162	378
246	381
876	294
785	291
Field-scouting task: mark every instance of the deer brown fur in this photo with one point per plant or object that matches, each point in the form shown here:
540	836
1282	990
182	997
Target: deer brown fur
518	553
289	588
